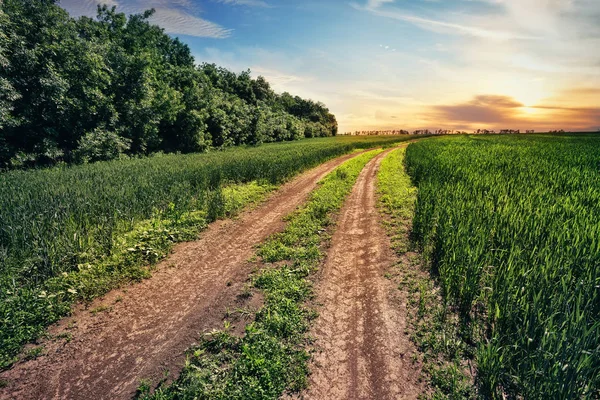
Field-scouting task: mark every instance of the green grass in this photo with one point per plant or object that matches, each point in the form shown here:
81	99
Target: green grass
397	197
434	329
30	309
271	356
73	233
511	227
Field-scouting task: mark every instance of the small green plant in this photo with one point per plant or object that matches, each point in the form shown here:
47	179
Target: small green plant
100	309
34	352
143	388
66	336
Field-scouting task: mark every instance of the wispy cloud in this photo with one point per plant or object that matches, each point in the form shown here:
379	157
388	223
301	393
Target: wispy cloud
178	17
439	25
79	8
377	3
584	91
487	109
177	22
251	3
277	78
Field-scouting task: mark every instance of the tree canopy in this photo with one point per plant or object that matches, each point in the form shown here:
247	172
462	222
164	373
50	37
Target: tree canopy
78	90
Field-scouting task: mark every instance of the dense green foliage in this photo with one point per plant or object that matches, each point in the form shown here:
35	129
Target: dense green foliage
87	89
66	233
270	357
512	226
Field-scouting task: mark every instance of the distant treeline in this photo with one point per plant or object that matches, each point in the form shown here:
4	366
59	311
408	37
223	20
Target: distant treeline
77	90
399	132
442	132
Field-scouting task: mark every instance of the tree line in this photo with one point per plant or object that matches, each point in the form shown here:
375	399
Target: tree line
78	90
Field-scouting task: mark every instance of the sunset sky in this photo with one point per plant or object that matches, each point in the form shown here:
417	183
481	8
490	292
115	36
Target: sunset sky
405	64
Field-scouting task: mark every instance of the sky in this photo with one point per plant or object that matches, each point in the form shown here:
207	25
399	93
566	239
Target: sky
404	64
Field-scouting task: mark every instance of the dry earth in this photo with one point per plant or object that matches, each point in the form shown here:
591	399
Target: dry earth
362	349
145	329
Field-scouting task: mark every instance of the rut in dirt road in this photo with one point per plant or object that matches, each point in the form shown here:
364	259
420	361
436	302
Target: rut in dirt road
362	351
151	324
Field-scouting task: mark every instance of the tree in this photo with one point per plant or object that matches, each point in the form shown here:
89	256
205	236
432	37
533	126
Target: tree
91	89
8	93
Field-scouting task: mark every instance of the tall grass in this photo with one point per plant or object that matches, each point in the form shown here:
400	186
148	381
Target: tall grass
512	226
58	224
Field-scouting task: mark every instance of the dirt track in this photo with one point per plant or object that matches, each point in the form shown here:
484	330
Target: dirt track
362	350
149	325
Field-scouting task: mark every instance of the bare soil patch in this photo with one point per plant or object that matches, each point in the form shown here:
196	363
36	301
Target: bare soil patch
143	330
363	350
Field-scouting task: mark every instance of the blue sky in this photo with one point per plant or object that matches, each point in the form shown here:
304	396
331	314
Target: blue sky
405	64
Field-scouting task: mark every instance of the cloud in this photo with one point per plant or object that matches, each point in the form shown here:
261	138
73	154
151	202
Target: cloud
497	112
276	78
179	22
252	3
488	109
584	91
377	3
437	24
178	17
578	118
78	8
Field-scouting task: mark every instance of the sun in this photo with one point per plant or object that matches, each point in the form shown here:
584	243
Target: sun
530	95
527	91
530	110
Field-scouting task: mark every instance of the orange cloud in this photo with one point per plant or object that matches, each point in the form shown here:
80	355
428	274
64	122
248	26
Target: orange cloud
579	118
498	112
485	109
583	91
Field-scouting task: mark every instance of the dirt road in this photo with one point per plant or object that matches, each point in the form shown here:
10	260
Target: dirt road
362	351
145	329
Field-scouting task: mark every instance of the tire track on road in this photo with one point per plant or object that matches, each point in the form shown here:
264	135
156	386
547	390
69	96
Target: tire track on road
362	350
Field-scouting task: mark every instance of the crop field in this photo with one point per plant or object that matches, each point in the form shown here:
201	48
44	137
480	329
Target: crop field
453	267
511	228
73	233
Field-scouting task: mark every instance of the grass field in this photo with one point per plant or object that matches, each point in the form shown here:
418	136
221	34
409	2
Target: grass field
511	227
508	227
73	233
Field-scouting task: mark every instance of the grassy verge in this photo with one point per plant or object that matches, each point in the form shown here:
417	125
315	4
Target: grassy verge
131	258
270	357
438	334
